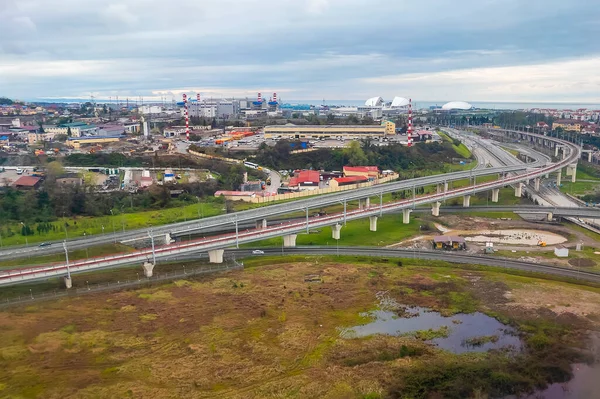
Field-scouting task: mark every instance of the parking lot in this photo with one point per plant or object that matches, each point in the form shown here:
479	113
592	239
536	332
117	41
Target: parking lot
10	175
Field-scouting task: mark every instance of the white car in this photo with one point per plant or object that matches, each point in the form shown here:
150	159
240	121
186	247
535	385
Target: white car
258	252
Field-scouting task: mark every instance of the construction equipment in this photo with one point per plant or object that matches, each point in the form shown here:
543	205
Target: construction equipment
541	243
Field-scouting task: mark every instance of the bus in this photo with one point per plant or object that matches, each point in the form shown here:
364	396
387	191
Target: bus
250	165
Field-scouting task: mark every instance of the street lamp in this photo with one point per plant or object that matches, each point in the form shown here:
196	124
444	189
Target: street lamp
67	259
102	229
153	253
87	255
113	223
26	242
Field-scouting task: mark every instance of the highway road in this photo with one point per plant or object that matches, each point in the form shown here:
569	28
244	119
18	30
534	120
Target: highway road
444	256
196	226
227	240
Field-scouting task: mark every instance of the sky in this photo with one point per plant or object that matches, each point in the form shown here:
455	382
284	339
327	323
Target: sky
471	50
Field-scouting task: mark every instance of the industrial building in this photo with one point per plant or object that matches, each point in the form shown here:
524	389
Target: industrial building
290	131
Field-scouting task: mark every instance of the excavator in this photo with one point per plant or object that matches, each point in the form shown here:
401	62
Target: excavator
541	243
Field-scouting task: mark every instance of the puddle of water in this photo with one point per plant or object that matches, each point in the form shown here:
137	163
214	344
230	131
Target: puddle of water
584	384
461	328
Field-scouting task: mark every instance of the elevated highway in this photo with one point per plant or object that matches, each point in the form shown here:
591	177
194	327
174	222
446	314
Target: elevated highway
215	245
211	223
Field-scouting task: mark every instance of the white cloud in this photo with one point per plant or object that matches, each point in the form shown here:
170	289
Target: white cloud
317	6
119	13
554	81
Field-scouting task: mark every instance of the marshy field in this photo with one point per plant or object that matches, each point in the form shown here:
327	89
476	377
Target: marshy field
311	327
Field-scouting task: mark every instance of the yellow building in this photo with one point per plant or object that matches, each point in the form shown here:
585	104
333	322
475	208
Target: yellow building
331	131
567	125
79	141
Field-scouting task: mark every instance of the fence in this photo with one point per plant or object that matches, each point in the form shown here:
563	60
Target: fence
308	193
219	158
119	285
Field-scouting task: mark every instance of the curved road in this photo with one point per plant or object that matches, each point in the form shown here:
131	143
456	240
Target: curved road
444	256
228	240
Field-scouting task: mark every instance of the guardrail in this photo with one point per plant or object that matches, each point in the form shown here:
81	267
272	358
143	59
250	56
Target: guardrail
228	240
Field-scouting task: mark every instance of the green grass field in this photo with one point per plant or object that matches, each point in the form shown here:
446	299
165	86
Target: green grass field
91	252
579	187
390	230
80	226
461	150
511	151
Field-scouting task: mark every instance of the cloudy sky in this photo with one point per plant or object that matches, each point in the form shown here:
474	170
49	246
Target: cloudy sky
474	50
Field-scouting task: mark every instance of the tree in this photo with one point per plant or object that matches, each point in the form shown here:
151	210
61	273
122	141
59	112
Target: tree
69	133
61	137
330	118
355	154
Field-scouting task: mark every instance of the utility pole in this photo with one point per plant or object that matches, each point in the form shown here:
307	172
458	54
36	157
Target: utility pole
67	259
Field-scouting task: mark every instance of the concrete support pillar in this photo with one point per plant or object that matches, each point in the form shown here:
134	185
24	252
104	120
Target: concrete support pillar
360	206
168	239
148	268
68	282
564	152
406	216
445	186
572	171
558	177
373	223
335	231
261	224
215	256
290	240
439	188
555	150
590	157
435	208
495	194
547	176
367	203
536	184
466	201
519	190
550	216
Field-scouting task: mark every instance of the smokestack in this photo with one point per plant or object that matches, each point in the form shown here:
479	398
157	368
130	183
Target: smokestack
259	98
410	125
198	98
187	117
275	97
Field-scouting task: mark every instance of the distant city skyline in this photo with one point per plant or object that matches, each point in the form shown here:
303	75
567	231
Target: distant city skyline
509	51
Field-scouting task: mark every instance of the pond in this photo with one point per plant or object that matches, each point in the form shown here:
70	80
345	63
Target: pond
460	333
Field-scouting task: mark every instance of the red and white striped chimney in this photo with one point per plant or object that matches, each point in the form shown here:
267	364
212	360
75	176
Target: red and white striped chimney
410	125
198	98
274	97
187	117
259	98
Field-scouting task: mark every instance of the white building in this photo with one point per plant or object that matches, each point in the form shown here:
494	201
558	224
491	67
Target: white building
150	109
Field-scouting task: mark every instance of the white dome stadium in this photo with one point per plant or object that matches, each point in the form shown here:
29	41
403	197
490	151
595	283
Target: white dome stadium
457	105
374	102
399	102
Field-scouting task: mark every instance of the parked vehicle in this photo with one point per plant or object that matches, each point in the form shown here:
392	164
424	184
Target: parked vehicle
258	252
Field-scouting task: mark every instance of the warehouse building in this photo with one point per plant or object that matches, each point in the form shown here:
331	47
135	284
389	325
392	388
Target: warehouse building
290	131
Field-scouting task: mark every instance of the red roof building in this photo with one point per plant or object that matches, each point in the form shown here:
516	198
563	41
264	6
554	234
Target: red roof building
371	172
304	178
27	183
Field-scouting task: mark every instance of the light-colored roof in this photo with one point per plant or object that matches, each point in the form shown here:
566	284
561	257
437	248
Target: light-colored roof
399	102
457	105
374	102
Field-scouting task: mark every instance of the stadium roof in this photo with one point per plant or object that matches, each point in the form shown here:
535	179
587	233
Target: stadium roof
399	102
374	102
461	105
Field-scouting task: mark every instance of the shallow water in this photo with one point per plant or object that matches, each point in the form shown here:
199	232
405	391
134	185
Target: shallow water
461	327
585	383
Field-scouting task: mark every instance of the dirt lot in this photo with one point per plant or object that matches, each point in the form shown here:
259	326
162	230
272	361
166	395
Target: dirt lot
268	331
